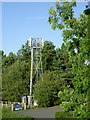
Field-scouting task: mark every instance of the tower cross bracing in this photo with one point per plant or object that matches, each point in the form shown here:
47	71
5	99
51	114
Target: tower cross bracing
36	45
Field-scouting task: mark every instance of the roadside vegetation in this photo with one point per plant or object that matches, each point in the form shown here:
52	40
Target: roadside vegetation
7	113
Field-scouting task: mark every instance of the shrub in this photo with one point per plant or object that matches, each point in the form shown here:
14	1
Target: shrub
46	91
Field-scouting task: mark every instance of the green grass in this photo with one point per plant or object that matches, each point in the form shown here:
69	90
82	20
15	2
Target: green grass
63	115
7	113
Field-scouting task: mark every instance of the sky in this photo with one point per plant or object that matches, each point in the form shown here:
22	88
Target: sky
21	20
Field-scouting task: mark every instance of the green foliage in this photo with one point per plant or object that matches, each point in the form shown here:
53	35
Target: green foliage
15	82
16	76
63	115
24	53
48	53
9	60
62	14
75	35
8	114
45	92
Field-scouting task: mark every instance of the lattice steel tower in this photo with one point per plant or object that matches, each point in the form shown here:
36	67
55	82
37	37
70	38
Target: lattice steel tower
35	44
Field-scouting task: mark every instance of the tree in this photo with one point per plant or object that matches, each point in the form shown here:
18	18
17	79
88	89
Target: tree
75	36
61	58
16	74
8	60
48	53
24	54
15	81
46	91
65	67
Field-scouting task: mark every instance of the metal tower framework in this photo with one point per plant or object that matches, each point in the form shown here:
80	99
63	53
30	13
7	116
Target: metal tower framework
35	44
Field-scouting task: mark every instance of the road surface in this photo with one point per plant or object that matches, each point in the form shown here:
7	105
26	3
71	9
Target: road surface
40	112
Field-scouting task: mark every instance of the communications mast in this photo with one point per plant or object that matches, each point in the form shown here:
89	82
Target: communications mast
36	45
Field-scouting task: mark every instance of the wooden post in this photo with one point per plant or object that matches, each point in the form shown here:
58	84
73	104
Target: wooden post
12	106
6	104
24	106
13	102
9	104
2	103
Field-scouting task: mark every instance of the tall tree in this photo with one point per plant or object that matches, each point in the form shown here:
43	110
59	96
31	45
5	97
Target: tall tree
8	60
24	53
75	36
46	91
48	53
15	81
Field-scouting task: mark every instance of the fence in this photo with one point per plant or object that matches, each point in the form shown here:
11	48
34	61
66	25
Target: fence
11	105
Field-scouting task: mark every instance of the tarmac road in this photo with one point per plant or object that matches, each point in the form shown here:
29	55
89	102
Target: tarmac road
40	112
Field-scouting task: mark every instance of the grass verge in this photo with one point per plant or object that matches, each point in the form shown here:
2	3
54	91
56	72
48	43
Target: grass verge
63	115
7	114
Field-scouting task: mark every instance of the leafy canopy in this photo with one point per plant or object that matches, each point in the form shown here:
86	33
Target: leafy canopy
75	35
